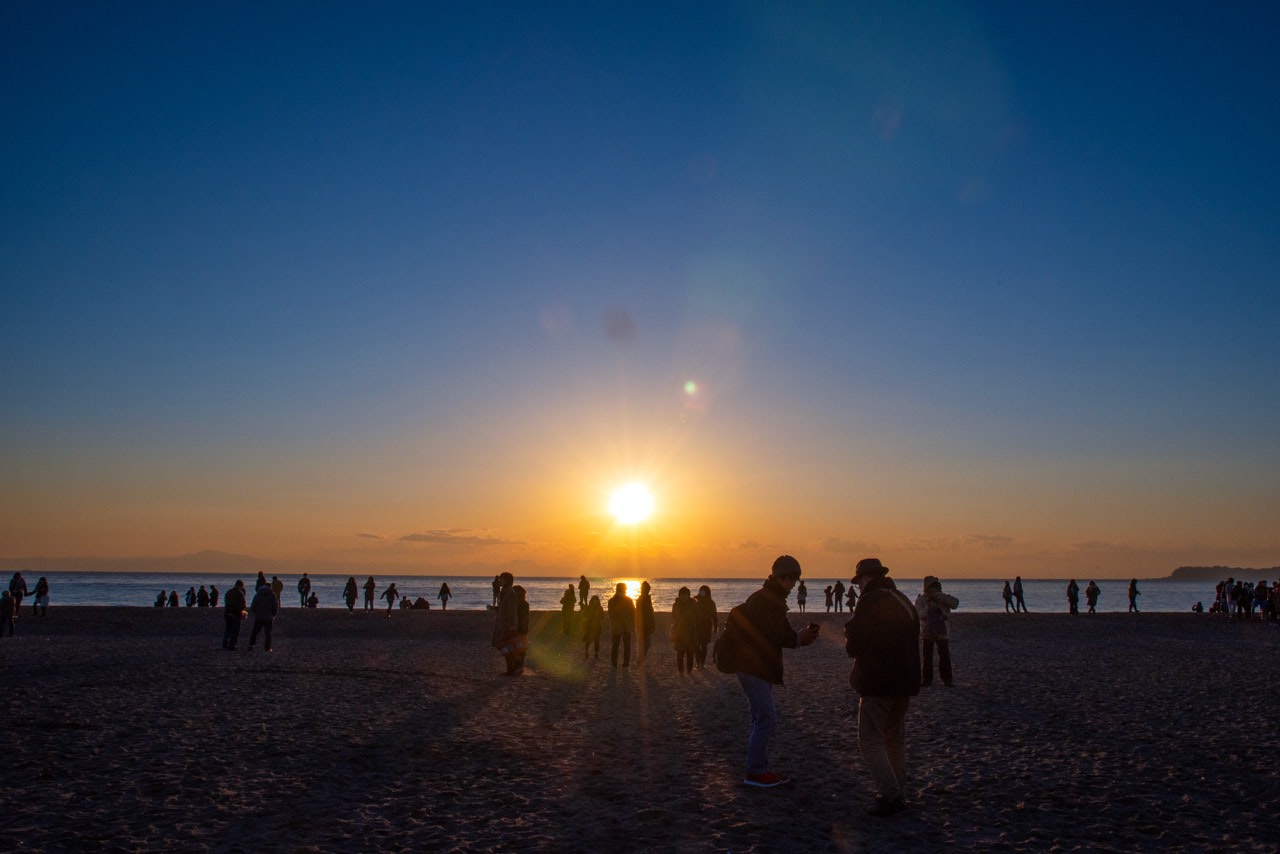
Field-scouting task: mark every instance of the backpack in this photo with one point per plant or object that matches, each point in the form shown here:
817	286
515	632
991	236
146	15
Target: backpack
725	653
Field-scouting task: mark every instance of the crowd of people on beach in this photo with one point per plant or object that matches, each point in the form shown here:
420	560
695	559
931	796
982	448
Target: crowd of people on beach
891	639
351	592
1241	600
694	620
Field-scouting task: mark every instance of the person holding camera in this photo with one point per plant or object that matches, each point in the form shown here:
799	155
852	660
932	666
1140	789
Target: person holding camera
763	632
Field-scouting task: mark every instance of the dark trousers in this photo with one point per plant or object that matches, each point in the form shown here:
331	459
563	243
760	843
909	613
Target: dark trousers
625	640
944	661
684	660
232	632
265	627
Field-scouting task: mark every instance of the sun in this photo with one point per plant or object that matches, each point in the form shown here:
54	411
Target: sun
631	504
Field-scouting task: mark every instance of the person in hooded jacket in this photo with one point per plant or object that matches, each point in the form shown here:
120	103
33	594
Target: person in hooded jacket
934	609
881	640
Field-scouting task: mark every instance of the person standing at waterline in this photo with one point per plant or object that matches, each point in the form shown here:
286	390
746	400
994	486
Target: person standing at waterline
1019	603
881	640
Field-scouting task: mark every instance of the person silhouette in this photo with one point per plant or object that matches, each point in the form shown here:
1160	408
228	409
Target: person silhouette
708	623
567	601
1019	603
445	595
684	630
8	610
1091	596
40	598
593	625
645	622
622	621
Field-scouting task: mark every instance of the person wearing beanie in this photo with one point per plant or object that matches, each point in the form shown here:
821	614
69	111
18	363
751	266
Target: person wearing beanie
763	631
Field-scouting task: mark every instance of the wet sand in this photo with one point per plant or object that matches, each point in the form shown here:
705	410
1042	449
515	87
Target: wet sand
130	729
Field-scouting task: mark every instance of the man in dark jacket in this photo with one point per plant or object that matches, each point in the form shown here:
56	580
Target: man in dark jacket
881	640
762	627
233	612
264	607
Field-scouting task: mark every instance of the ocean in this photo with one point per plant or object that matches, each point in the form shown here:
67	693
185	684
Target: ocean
471	593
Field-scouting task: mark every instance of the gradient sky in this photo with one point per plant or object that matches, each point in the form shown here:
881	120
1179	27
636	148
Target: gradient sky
979	288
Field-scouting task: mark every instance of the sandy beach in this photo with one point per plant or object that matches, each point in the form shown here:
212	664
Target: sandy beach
130	729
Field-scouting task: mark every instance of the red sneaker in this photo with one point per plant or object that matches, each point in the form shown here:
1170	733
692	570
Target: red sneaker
766	780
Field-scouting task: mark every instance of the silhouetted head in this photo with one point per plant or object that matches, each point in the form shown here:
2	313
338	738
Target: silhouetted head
507	579
786	567
867	569
683	593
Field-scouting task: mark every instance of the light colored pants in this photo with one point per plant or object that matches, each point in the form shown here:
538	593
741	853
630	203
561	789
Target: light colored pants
764	721
882	727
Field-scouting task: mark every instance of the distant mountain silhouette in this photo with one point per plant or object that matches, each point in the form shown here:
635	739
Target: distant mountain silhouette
1221	573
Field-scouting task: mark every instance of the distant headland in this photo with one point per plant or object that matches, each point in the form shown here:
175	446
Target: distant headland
1221	573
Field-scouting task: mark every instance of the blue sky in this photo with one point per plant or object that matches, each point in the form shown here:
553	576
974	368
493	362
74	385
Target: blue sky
977	287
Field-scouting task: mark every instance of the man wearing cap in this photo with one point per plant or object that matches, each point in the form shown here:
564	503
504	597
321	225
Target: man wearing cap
764	631
881	640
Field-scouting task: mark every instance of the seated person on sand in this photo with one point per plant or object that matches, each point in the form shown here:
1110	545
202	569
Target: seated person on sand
421	604
405	603
313	601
